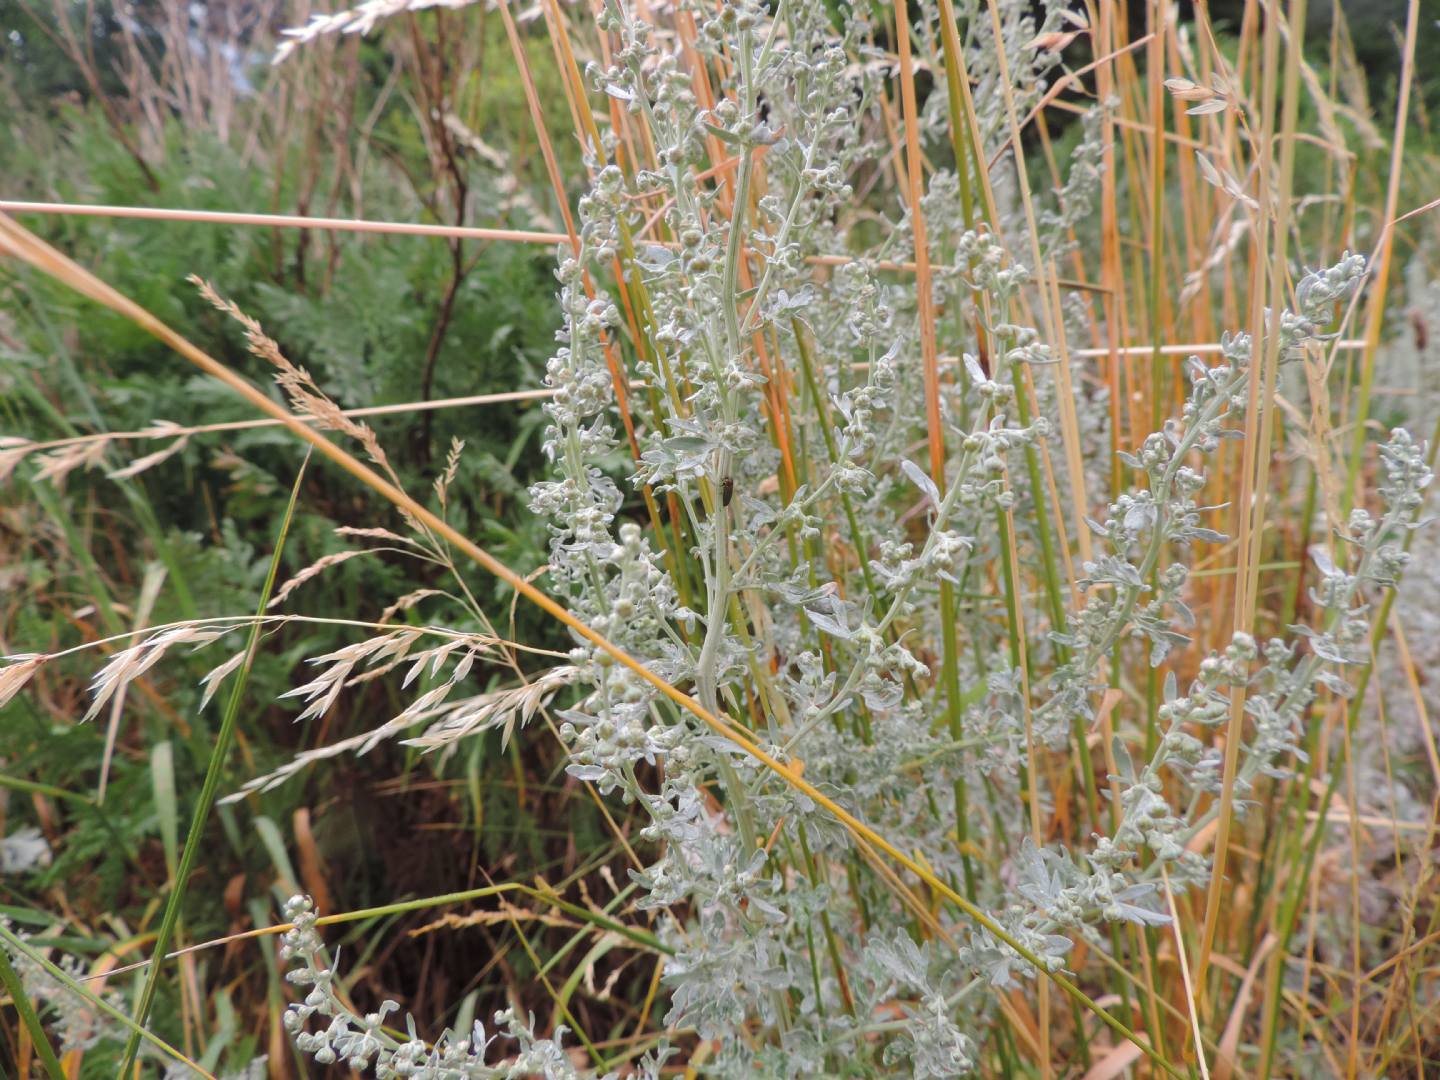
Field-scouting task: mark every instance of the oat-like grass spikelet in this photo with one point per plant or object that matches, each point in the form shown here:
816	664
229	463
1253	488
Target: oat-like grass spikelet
304	395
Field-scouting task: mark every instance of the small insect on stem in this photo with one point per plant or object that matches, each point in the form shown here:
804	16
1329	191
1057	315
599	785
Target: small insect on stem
727	490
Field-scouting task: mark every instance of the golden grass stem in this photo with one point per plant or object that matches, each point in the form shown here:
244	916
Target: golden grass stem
283	221
162	431
1255	460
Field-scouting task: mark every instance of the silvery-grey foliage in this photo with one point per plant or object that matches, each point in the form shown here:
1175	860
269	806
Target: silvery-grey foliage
820	598
511	1052
851	697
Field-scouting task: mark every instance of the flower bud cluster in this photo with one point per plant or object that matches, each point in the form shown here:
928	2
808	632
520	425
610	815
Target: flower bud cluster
986	266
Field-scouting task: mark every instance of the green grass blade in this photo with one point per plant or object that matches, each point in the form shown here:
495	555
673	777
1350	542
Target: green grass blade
29	1018
167	806
207	790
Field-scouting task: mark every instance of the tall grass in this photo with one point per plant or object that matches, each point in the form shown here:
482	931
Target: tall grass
1044	757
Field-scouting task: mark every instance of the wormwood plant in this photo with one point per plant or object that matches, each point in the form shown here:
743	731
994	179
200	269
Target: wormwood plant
974	748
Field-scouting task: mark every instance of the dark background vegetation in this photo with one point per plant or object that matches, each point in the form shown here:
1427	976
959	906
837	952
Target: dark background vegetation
378	320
